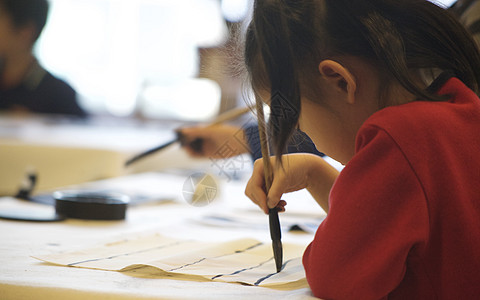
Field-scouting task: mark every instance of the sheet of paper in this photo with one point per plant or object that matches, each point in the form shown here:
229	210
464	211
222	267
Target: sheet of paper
245	261
255	219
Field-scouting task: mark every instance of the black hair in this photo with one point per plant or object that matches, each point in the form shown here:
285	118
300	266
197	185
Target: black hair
23	12
287	39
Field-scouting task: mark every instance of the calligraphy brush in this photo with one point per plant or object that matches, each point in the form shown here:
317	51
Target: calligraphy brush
274	223
197	143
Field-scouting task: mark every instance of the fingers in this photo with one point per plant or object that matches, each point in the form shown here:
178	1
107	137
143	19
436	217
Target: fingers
281	205
276	191
194	132
192	140
210	140
255	189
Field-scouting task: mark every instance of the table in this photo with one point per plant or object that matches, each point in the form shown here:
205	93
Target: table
65	151
23	277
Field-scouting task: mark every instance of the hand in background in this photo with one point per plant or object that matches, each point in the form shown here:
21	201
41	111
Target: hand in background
218	141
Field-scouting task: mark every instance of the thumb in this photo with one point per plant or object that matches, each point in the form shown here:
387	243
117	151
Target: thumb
274	194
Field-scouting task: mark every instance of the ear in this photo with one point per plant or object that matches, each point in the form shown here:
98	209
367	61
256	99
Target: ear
340	77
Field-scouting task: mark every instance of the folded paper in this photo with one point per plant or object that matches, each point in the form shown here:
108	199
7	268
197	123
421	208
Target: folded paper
244	261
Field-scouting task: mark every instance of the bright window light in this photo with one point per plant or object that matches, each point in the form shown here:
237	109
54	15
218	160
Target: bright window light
192	99
109	50
444	3
235	10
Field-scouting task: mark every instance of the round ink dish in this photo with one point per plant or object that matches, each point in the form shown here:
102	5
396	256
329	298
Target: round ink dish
91	205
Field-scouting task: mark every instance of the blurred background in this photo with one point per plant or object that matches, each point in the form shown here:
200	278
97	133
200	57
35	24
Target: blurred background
147	58
141	69
167	59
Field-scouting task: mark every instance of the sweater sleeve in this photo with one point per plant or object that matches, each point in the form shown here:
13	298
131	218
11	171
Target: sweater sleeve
300	143
377	216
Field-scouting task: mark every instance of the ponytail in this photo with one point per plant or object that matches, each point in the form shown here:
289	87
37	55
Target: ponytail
273	36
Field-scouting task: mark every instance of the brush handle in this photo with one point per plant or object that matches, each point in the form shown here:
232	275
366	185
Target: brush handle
274	222
226	116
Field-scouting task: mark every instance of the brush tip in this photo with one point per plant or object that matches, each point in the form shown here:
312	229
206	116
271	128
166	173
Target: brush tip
278	254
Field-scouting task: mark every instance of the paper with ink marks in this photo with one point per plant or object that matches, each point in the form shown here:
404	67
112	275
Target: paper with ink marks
244	261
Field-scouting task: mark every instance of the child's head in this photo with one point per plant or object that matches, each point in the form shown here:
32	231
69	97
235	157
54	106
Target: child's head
22	14
288	39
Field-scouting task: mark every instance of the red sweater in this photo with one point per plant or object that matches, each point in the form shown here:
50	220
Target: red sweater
404	218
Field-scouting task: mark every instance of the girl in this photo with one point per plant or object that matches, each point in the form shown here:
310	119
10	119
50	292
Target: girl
388	88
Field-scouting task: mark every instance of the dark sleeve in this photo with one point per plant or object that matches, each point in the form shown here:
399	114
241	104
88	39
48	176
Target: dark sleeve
300	143
57	97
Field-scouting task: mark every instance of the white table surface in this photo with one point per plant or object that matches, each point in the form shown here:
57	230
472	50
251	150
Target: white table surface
23	277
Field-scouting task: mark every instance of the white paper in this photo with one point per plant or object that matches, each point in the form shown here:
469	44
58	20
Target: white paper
245	261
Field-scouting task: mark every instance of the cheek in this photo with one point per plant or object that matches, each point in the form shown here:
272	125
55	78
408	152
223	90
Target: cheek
8	34
5	40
